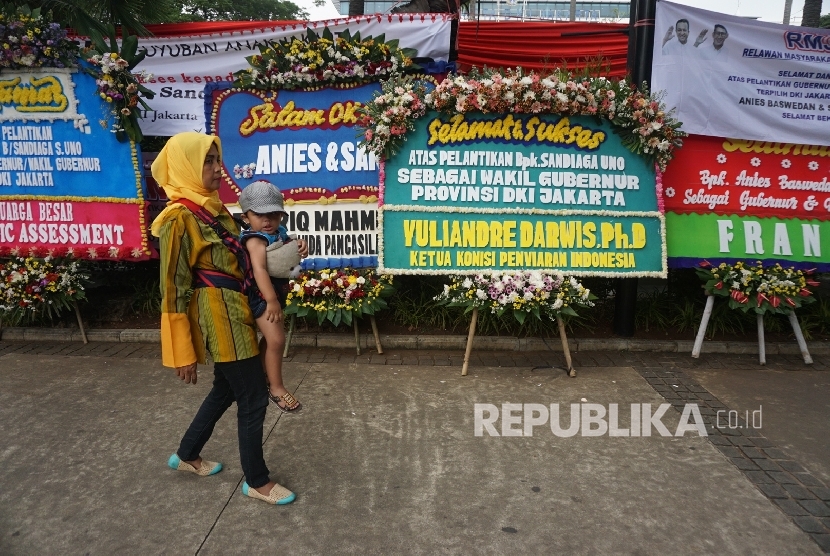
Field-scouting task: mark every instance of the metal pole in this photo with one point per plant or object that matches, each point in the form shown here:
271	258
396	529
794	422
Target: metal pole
640	50
573	10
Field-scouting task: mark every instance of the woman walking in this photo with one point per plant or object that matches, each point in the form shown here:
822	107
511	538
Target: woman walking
216	316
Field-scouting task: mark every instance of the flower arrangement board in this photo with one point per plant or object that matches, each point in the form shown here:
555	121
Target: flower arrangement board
304	142
730	200
183	59
499	191
67	185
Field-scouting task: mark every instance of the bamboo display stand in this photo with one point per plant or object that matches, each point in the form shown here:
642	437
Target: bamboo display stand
80	322
759	319
471	334
374	324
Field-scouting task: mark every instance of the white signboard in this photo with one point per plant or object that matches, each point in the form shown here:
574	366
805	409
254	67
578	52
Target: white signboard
733	77
182	66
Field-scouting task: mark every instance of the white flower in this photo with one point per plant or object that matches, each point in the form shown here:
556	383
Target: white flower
812	165
785	163
721	158
481	294
466	283
557	304
757	161
670	192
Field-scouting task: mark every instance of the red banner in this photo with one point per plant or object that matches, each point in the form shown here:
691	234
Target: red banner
752	178
88	230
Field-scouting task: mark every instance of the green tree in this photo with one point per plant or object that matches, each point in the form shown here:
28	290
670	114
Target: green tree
824	22
240	10
86	16
811	15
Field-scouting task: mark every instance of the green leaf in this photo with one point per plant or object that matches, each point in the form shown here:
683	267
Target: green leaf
338	316
128	48
519	315
347	317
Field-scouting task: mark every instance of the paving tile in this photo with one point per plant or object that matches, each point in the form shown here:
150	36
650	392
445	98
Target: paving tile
816	507
752	452
775	453
799	492
744	464
807	479
823	540
759	477
729	451
719	440
791	466
821	492
782	477
767	465
773	491
763	442
809	524
740	440
790	507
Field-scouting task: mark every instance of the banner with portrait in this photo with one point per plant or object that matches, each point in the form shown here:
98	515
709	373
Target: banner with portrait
728	76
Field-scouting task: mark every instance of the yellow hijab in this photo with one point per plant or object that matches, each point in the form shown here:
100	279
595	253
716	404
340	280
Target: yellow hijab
178	170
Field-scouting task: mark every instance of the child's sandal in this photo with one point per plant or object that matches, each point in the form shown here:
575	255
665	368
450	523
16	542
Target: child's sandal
291	403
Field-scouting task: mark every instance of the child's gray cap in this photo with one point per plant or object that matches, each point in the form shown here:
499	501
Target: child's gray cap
261	197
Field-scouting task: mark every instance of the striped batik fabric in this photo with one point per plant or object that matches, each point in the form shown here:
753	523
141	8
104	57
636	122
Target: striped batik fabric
218	320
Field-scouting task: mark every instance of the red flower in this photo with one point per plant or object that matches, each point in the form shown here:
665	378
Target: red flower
813	283
789	301
761	298
805	292
775	301
705	264
719	285
739	296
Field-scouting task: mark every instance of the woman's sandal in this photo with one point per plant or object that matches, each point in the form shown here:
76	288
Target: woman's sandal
288	400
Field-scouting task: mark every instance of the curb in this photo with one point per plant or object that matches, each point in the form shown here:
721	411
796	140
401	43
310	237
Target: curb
428	342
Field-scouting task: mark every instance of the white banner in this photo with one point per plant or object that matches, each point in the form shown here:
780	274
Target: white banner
733	77
182	66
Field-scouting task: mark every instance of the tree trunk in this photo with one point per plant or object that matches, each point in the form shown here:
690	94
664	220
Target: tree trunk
788	6
812	13
356	7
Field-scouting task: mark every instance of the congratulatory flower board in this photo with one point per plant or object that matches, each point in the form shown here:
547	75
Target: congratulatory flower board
472	191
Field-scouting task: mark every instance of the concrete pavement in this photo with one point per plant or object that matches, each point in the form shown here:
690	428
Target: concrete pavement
384	458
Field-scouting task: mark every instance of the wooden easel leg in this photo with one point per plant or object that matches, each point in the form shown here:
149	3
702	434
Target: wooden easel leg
356	335
565	348
80	321
375	332
289	335
799	337
704	322
470	337
762	349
